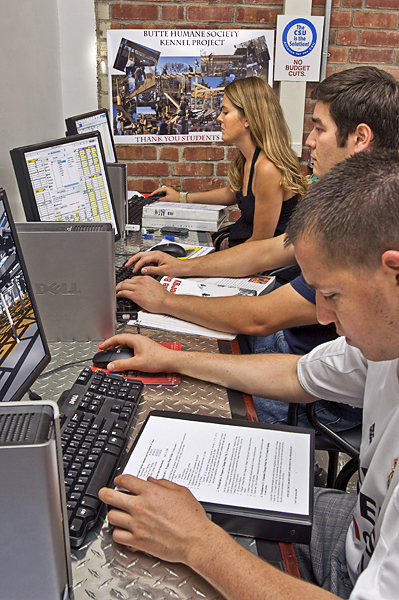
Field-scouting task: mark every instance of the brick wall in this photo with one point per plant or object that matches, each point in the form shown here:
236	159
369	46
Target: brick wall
361	32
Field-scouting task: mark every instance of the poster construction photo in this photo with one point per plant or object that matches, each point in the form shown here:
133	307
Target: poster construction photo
166	85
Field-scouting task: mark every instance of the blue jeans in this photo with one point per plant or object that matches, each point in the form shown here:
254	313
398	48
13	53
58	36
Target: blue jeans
337	416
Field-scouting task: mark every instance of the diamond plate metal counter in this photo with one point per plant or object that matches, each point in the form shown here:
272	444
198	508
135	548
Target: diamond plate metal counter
102	570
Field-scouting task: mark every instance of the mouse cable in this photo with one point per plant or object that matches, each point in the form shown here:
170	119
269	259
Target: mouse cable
65	366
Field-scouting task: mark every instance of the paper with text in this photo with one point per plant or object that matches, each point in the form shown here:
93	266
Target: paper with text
227	464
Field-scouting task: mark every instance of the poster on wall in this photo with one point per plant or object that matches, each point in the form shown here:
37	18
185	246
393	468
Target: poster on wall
166	85
298	48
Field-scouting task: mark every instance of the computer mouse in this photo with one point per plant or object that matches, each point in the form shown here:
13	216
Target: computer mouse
156	197
172	249
104	357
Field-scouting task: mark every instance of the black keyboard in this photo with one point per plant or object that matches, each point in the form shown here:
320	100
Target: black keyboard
135	207
126	309
97	418
122	273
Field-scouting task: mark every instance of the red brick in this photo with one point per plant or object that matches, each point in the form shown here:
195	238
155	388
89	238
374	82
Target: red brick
169	153
210	153
375	20
203	184
338	55
196	169
222	169
371	55
308	123
152	169
215	14
352	3
136	152
382	4
379	38
347	37
172	182
257	15
330	70
133	11
141	185
231	153
173	13
309	105
394	72
269	2
332	37
341	19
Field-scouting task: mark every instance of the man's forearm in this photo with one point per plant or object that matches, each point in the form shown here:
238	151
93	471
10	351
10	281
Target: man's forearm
248	315
215	313
238	574
241	261
267	375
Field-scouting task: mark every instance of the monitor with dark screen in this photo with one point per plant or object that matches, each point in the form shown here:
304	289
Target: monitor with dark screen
23	348
65	180
98	120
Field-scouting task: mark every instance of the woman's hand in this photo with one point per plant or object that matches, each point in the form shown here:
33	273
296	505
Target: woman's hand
171	195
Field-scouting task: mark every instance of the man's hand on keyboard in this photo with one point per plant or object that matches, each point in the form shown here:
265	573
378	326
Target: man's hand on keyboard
161	518
149	356
166	264
144	291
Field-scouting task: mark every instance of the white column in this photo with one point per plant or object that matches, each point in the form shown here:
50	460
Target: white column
292	93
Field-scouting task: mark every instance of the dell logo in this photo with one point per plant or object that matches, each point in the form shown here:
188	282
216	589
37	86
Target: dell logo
57	288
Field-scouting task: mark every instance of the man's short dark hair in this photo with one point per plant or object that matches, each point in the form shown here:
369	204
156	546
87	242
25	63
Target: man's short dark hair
352	212
363	95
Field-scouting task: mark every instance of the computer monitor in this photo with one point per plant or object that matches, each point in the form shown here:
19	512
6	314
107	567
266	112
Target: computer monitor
66	180
23	348
98	120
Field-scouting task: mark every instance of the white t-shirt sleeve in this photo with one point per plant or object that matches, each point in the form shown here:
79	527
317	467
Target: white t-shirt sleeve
334	371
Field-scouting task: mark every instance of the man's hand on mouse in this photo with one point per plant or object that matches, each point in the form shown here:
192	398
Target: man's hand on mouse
149	356
166	264
145	291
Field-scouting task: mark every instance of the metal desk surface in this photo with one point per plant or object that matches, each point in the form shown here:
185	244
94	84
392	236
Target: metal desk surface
101	569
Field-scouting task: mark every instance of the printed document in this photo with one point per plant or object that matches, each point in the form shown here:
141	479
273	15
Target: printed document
230	465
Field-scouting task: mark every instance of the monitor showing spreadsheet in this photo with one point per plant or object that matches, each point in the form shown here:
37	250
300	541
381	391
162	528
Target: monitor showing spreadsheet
65	180
97	120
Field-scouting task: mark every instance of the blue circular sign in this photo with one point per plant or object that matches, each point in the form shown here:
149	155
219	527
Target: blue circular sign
299	37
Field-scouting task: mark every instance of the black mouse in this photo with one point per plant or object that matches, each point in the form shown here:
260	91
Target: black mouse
156	197
104	357
172	249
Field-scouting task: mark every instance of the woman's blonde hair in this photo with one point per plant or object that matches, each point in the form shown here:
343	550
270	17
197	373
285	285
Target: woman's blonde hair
257	101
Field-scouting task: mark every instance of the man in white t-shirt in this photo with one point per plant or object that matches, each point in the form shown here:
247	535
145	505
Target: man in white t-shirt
350	257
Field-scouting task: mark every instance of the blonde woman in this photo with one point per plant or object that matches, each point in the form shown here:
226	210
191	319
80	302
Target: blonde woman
265	178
